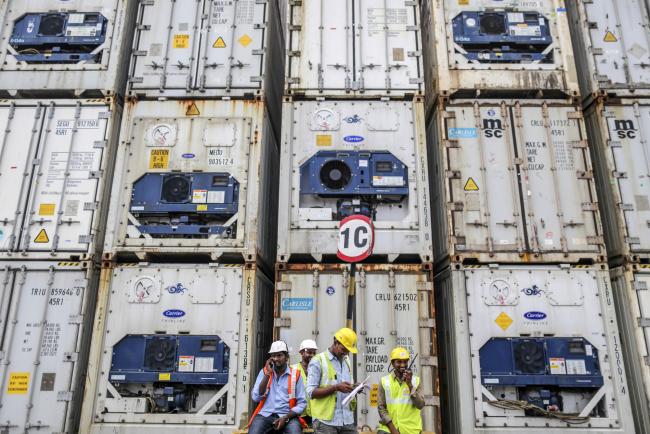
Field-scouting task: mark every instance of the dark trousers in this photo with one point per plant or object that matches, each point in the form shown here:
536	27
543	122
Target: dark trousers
264	424
321	428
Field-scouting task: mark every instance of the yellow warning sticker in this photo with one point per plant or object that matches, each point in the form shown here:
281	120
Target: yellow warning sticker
323	140
202	207
164	376
471	185
46	209
181	41
610	37
192	110
463	2
42	237
374	391
18	383
503	321
219	43
159	159
245	40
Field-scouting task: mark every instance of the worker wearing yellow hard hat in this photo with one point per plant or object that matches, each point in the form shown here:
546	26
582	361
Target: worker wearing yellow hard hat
329	381
399	397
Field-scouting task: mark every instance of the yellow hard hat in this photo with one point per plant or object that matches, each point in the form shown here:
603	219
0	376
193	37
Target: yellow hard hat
348	338
399	353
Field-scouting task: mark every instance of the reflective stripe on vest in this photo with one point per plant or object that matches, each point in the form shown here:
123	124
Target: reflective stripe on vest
323	408
303	374
405	416
294	376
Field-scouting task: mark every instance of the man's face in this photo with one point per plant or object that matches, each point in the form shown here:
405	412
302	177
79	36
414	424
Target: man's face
307	354
279	360
400	366
340	350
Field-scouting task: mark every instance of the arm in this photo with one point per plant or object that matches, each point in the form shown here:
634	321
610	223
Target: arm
416	396
384	417
258	391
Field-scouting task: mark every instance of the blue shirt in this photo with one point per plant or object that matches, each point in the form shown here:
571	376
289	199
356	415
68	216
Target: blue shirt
342	416
277	398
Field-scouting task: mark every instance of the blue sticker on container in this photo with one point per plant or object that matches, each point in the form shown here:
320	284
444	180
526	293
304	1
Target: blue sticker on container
188	155
298	304
353	139
561	9
535	316
330	290
173	313
462	133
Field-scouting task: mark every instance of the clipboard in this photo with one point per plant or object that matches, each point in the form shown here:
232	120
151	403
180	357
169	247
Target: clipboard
355	392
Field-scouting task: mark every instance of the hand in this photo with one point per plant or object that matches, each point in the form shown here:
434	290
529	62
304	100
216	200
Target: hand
268	366
279	423
408	376
344	387
394	431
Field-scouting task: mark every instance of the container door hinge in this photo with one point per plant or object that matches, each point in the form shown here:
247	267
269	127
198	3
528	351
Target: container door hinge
626	207
640	286
282	322
431	400
90	206
428	361
644	322
614	144
104	115
70	357
590	207
147	2
424	286
75	319
619	175
100	144
136	80
96	174
427	323
595	240
633	240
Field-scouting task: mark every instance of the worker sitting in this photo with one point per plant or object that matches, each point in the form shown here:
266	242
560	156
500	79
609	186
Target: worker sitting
280	393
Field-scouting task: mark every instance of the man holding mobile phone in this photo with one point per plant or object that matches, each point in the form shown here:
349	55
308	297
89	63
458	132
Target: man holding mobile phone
280	394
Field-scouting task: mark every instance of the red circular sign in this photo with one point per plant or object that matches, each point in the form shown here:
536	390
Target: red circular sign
356	238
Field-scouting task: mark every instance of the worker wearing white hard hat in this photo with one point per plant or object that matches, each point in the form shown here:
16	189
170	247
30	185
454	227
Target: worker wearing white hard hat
308	349
280	395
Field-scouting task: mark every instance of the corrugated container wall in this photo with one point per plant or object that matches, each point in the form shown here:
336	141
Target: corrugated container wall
176	347
392	305
209	49
347	157
46	315
56	162
612	47
65	48
488	47
618	135
512	182
544	335
365	49
195	178
630	287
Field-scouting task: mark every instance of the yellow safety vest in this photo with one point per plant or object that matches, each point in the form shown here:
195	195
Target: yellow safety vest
303	375
323	408
406	416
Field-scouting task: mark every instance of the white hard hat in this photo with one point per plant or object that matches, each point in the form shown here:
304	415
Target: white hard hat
278	347
308	344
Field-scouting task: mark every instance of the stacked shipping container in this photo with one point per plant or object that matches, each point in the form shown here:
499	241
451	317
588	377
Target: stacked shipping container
184	310
518	246
612	49
63	74
353	142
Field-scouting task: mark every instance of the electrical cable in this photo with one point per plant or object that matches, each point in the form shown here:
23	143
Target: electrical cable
507	404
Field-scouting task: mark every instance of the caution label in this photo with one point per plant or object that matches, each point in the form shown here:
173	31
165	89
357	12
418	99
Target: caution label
471	185
42	237
219	43
192	110
374	391
164	376
503	321
323	140
46	209
181	41
18	383
159	159
610	37
245	40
